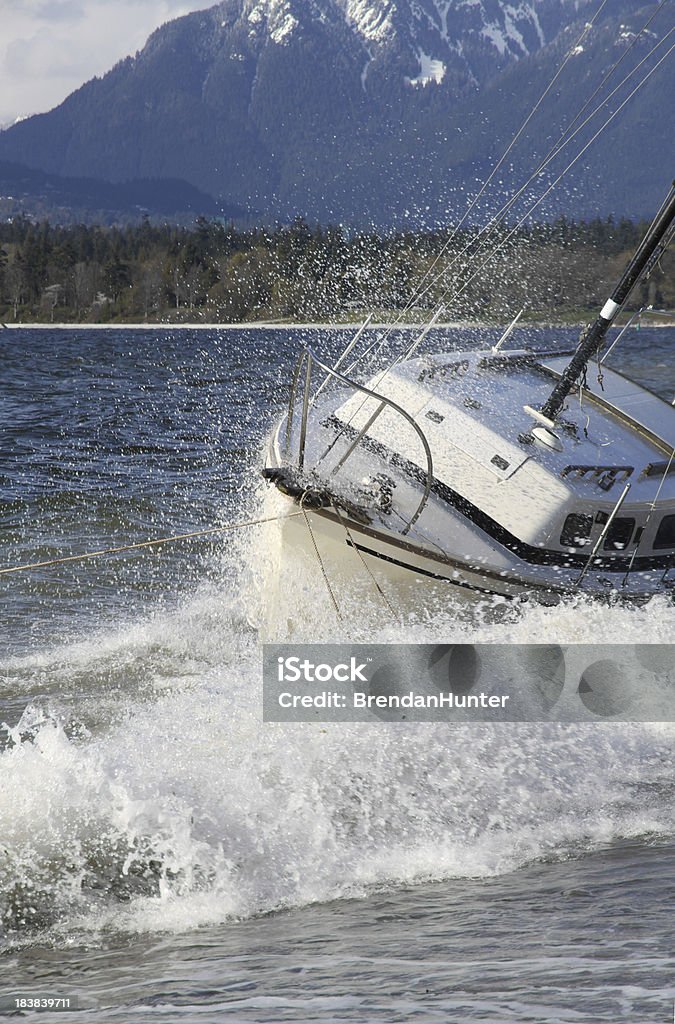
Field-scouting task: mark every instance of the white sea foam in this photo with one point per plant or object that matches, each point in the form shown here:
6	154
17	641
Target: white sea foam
182	808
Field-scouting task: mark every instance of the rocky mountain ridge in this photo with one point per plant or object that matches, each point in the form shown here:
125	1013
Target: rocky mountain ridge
362	111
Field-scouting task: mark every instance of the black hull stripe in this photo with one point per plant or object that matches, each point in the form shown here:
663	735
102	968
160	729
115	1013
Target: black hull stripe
426	572
442	559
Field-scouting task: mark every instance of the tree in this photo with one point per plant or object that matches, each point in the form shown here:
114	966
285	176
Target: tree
116	277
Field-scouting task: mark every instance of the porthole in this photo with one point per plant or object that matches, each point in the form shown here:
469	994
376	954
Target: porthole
665	535
576	531
619	534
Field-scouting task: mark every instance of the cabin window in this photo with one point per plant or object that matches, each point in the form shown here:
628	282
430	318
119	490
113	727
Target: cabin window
576	531
665	535
619	534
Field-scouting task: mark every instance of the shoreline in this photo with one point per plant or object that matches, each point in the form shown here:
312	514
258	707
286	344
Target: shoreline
266	325
258	325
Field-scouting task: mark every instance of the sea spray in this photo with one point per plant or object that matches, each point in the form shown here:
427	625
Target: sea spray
139	789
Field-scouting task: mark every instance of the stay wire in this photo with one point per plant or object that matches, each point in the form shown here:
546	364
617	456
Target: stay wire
319	558
420	291
652	509
104	552
488	232
554	183
479	242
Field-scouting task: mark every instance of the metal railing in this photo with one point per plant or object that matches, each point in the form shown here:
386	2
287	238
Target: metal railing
307	361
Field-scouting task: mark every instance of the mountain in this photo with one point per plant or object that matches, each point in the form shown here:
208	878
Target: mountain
36	193
364	111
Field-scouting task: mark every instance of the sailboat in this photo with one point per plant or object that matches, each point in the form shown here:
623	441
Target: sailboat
502	472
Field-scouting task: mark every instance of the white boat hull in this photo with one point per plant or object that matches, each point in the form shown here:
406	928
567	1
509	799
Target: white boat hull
447	544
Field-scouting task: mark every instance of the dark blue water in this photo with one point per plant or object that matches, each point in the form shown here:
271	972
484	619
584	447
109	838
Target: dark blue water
166	856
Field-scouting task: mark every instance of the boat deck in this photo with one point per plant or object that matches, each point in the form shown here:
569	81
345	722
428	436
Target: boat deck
473	404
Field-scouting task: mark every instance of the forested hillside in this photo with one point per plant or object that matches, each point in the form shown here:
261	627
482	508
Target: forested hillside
214	273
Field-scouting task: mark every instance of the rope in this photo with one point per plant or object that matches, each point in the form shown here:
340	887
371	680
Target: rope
144	544
365	564
562	174
420	290
319	558
652	509
484	237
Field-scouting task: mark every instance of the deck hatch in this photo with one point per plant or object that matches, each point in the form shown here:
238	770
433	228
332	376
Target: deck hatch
659	468
604	476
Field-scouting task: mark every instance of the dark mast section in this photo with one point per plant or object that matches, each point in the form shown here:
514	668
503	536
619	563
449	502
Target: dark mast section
646	255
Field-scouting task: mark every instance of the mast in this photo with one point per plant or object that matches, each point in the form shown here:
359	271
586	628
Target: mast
646	255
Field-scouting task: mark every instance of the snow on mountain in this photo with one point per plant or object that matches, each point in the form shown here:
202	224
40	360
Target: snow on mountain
430	70
274	16
443	32
473	36
359	110
372	21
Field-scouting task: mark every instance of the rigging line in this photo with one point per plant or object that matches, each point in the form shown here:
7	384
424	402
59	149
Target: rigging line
429	540
565	138
557	148
662	250
144	544
653	263
482	246
518	134
417	341
490	228
418	293
652	509
498	218
319	558
637	316
600	130
553	184
358	551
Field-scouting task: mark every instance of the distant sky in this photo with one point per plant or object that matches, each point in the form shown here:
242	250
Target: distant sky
50	47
